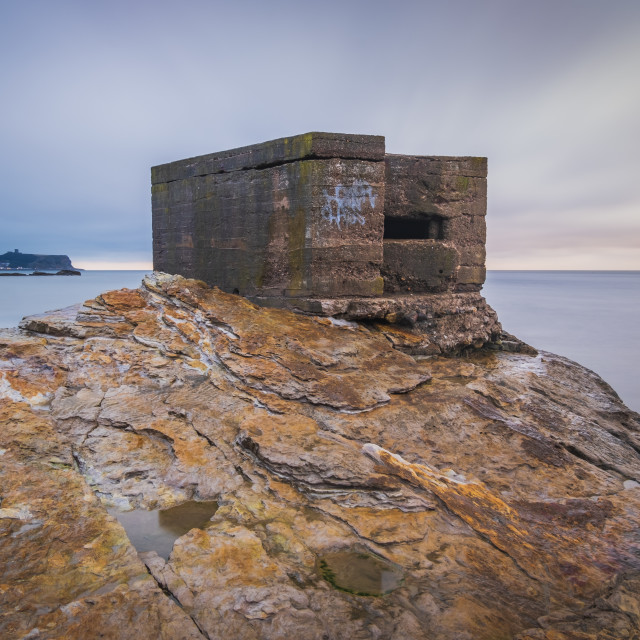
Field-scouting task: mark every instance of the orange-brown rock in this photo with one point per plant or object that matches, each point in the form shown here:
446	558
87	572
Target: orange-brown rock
503	487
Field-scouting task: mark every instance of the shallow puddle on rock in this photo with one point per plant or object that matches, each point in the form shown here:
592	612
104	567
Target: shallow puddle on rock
158	530
360	573
436	554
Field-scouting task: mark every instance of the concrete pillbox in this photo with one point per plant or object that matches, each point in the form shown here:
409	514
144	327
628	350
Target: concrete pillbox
322	216
298	216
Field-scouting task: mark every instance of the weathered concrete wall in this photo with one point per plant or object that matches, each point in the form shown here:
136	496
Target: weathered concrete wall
322	215
440	203
419	266
293	217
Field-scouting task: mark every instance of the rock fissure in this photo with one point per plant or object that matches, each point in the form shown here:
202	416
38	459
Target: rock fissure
377	543
623	437
163	586
592	459
299	396
219	446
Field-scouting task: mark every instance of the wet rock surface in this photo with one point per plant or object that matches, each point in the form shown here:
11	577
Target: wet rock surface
499	493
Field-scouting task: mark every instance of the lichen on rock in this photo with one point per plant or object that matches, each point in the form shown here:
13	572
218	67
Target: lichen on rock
501	486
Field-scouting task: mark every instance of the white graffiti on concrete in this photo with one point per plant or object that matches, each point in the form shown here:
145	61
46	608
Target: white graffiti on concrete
344	206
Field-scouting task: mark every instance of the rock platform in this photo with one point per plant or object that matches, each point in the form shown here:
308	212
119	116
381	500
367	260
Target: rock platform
501	488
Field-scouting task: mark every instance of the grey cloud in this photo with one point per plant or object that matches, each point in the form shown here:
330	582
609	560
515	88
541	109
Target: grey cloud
96	93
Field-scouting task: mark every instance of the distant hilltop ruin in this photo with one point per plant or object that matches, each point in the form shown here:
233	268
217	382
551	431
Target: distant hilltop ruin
16	260
328	224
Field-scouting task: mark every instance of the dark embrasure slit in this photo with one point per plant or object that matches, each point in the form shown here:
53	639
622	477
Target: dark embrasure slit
422	228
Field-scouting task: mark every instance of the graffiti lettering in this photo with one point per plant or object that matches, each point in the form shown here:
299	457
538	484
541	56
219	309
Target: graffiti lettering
344	206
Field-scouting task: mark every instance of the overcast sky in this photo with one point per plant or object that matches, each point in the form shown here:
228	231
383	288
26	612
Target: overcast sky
95	93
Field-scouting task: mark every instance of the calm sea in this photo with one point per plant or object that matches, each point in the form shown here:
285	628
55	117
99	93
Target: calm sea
24	296
592	317
589	316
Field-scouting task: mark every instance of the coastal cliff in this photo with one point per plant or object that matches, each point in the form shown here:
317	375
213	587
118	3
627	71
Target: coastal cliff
17	260
495	494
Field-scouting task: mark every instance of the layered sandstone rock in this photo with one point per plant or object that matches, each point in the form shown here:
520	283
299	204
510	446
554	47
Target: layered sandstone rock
500	490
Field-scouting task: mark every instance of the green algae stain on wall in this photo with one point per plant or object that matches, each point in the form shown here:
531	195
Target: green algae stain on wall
296	237
462	183
298	146
300	177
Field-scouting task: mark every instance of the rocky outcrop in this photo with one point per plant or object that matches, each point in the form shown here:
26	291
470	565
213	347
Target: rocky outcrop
428	324
495	495
62	272
15	259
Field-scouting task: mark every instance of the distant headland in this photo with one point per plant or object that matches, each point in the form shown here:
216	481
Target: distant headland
16	260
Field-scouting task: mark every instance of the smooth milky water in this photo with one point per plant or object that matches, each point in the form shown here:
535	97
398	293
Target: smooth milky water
591	317
27	295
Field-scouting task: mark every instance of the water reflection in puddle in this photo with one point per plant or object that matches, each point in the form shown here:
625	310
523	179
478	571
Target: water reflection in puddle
158	530
360	573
